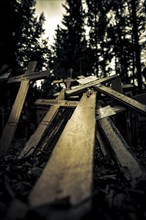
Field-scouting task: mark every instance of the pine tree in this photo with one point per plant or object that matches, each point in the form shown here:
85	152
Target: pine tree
117	35
98	23
22	35
70	42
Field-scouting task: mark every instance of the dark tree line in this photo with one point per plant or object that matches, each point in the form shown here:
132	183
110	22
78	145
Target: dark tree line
114	42
21	41
21	35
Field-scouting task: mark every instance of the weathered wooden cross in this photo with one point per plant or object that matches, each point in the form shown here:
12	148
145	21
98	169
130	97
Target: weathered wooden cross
67	82
41	129
68	173
10	128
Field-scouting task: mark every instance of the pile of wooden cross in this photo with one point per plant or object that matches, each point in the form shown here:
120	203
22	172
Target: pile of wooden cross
68	173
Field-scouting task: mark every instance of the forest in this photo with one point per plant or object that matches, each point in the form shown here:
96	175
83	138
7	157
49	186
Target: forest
101	39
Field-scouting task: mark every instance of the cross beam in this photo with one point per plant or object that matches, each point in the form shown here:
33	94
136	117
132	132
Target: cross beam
82	87
63	103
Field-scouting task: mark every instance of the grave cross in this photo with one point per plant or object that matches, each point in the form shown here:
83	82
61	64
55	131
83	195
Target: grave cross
68	82
10	128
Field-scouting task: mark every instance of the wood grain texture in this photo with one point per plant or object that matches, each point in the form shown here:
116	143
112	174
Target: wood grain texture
68	173
124	155
129	102
41	129
10	128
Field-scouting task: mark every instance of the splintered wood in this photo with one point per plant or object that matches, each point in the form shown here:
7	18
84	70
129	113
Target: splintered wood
68	173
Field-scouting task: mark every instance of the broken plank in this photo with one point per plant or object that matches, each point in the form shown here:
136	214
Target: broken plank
68	173
129	102
105	112
10	128
63	103
121	150
108	111
41	129
90	84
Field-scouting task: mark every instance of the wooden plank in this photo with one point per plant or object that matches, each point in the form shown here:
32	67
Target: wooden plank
103	145
68	173
119	109
121	150
129	102
108	111
41	129
86	79
10	128
120	120
57	81
105	112
63	103
30	76
90	84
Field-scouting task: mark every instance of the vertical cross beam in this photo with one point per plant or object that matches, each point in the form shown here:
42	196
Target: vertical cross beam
68	173
10	128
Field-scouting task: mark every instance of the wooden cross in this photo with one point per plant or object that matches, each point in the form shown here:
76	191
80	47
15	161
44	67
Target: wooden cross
89	84
68	173
35	139
68	82
10	128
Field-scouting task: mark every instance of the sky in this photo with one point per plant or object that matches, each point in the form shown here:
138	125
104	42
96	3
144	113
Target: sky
53	11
